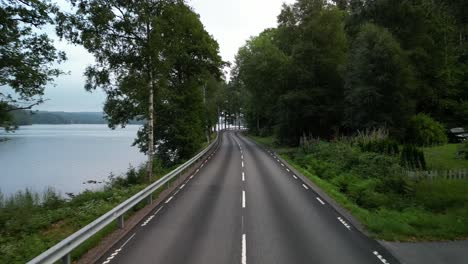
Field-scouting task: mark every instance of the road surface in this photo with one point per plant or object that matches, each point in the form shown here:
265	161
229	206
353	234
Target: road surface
244	206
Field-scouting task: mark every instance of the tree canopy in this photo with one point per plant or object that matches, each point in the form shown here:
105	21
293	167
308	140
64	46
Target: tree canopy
334	68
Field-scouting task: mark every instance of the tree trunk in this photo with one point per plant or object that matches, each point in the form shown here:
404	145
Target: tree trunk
150	129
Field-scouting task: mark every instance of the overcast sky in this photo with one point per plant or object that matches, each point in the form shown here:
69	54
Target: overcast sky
230	22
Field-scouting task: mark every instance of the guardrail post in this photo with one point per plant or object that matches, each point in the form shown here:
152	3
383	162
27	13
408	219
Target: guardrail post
120	221
150	199
66	259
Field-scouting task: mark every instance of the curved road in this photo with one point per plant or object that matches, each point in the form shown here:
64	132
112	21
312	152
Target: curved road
245	206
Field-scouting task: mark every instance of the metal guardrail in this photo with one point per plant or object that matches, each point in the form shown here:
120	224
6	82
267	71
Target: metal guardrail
62	250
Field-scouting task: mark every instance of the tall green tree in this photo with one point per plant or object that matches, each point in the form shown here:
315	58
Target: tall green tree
27	56
378	82
152	57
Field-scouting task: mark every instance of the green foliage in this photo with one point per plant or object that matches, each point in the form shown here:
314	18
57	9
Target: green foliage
386	146
462	151
377	81
144	50
32	222
412	158
28	55
372	186
405	57
422	130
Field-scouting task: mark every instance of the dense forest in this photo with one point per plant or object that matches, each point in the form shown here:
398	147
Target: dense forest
332	69
22	118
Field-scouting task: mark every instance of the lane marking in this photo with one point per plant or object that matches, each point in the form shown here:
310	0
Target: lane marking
288	170
181	187
242	164
244	249
282	164
175	193
305	186
381	258
278	160
344	223
320	200
197	170
243	199
202	165
117	251
243	176
170	198
242	156
295	177
191	177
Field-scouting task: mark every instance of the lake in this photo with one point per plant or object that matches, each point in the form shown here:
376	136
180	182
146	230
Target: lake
65	156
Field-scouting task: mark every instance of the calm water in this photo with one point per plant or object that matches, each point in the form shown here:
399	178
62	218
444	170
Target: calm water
64	156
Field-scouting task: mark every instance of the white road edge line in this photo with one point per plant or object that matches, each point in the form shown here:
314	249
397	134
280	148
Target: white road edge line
320	200
242	164
305	186
181	187
243	199
128	240
288	170
170	198
295	177
244	249
243	176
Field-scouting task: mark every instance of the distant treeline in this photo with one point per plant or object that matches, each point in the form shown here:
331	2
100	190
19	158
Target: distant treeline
23	118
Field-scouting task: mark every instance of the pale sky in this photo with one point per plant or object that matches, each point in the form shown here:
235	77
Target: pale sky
230	22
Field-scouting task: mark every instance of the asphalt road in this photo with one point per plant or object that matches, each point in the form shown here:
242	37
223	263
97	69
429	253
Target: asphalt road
245	206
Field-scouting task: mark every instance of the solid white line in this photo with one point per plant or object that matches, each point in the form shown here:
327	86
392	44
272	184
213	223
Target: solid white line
243	176
243	199
244	249
242	164
128	240
305	186
170	198
320	200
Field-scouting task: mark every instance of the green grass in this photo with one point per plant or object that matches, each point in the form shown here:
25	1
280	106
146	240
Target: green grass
444	158
429	211
31	222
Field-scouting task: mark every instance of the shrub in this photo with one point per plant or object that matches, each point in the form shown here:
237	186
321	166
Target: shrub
422	130
412	158
462	151
441	194
385	146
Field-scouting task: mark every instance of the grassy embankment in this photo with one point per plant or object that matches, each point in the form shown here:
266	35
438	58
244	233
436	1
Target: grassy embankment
373	188
32	222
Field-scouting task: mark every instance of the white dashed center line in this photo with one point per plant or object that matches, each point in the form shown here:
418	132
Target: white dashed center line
244	249
243	199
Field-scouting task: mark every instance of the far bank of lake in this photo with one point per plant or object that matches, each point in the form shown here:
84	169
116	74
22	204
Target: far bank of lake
65	156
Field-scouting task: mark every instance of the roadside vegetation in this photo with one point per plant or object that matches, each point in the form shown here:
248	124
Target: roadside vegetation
32	222
344	89
373	186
